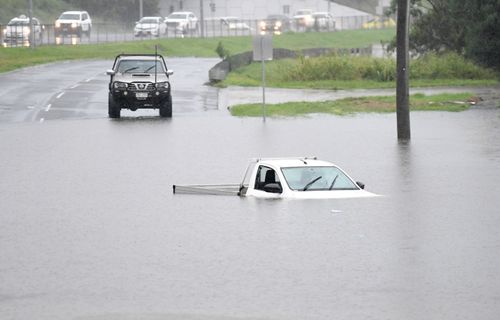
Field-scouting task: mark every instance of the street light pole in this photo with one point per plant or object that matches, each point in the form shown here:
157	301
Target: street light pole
402	65
140	9
202	20
32	29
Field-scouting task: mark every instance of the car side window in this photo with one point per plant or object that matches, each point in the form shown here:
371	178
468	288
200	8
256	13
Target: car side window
265	175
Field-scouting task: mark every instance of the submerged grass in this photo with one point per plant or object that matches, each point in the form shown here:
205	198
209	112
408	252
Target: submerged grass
418	102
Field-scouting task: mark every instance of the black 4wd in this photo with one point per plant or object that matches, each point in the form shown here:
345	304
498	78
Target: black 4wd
139	81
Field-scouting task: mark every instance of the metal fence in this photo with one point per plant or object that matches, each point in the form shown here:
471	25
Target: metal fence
104	32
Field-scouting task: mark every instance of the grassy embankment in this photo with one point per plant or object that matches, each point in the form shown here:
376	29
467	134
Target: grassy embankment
13	58
347	106
348	72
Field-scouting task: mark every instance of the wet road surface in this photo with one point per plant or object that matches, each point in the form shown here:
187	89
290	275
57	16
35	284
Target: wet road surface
78	90
90	229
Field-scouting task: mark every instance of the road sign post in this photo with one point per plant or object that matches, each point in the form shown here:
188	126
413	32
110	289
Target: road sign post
262	51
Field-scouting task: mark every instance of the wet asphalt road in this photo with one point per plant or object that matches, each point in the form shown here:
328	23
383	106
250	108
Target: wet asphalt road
89	227
78	90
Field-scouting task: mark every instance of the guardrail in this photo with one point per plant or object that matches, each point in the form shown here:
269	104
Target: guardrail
113	32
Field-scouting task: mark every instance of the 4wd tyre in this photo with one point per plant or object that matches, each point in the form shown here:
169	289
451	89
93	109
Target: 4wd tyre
166	108
113	108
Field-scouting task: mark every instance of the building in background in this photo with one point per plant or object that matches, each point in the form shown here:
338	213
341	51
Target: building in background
259	9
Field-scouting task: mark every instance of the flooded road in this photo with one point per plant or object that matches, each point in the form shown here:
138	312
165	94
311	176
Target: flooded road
90	229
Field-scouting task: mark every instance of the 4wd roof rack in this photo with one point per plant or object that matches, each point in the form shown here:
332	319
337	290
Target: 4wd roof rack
138	55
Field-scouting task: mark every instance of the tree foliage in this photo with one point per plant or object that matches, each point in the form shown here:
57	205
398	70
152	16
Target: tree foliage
468	27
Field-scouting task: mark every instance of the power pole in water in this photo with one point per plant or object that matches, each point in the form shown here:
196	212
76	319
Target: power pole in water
402	65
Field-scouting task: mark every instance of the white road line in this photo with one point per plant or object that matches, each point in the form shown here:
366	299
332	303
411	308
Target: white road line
73	86
41	120
60	95
30	107
48	107
88	80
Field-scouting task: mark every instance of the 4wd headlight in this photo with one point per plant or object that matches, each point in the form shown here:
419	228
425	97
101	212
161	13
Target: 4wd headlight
119	85
163	85
74	25
58	24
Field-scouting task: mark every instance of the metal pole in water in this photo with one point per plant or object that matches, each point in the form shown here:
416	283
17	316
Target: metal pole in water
402	58
263	78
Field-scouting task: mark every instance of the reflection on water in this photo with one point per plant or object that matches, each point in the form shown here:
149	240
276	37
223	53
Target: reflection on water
89	224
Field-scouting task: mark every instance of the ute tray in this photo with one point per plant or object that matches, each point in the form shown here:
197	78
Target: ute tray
210	189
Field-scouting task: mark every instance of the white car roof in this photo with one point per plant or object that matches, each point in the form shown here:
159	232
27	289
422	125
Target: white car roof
294	162
182	12
74	12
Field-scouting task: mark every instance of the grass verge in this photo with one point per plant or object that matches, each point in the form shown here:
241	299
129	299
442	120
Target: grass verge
418	102
13	58
348	72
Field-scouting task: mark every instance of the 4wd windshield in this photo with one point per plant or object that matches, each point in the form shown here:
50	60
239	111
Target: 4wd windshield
140	66
317	178
69	16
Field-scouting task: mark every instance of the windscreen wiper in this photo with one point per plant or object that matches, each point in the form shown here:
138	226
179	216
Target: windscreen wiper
333	182
311	183
130	69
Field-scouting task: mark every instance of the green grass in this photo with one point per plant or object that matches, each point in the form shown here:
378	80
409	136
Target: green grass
347	106
347	72
13	58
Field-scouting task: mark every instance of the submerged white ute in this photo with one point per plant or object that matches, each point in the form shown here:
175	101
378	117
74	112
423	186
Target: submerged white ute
288	178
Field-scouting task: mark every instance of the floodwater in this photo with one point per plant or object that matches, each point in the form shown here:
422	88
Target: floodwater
90	229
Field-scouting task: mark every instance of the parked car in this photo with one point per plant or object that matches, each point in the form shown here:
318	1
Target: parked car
139	81
18	32
275	23
303	19
234	23
379	23
323	21
152	26
73	23
182	22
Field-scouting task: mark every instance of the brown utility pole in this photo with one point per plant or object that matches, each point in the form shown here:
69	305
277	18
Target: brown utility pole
402	65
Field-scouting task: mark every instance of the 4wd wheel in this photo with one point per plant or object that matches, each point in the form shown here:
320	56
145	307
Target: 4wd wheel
113	108
166	108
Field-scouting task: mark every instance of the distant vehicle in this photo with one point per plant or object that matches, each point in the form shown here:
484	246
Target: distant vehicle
288	178
139	81
153	26
379	23
234	23
323	21
18	33
73	23
182	22
275	23
303	18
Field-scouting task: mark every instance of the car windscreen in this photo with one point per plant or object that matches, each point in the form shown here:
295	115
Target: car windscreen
317	178
177	16
148	20
18	23
140	66
69	16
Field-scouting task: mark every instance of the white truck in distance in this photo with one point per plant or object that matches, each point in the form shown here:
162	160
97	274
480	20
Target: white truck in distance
288	178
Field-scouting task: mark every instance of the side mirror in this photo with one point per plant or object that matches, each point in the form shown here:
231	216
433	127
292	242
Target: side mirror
170	72
110	72
273	188
360	184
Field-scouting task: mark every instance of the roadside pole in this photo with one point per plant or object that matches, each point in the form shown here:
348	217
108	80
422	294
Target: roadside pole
140	9
262	51
32	28
202	20
402	65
